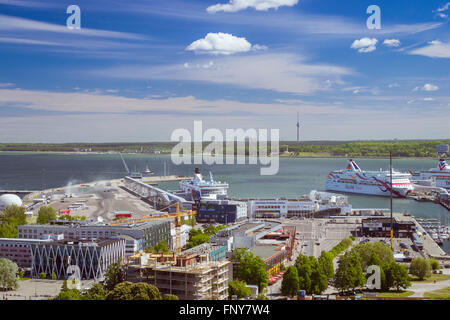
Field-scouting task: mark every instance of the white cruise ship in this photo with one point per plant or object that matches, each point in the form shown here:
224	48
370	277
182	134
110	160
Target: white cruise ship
201	189
353	180
439	176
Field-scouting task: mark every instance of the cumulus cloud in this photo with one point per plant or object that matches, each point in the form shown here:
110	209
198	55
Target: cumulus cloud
260	5
365	45
222	44
435	49
391	42
430	87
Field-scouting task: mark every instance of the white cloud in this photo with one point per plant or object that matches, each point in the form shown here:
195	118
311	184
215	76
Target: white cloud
415	89
271	71
260	5
435	49
430	87
393	85
428	99
365	45
222	44
391	42
444	7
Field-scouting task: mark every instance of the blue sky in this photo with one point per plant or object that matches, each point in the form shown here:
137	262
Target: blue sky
137	70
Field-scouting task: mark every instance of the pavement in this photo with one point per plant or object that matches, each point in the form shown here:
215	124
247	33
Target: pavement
420	288
38	289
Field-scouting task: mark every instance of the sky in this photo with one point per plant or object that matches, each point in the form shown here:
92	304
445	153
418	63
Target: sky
137	70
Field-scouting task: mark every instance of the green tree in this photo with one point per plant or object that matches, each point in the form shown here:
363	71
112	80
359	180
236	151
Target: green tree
96	292
238	288
349	274
434	264
420	267
250	268
114	275
72	294
160	247
46	214
134	291
304	271
42	275
396	276
319	280
370	253
289	285
326	263
8	274
54	277
10	218
169	296
64	286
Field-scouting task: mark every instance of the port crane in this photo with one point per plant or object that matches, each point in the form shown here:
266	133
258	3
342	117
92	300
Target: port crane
175	215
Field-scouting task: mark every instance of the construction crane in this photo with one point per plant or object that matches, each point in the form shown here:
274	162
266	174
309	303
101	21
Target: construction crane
176	215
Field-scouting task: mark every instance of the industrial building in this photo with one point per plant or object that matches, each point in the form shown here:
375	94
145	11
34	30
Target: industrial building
381	227
221	211
86	259
188	276
147	233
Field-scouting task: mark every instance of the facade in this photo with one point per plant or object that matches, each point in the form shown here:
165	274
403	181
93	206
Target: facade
381	227
19	250
191	277
184	236
267	208
221	211
147	234
84	259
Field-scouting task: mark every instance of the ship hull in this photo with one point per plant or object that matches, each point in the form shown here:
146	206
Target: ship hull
374	190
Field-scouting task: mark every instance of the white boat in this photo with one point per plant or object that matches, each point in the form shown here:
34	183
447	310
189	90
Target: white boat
438	176
201	189
148	171
354	180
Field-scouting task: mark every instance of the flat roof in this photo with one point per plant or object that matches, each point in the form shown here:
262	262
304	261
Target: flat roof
137	226
265	251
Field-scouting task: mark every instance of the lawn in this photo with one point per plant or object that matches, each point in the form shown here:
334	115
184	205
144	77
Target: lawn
434	277
394	294
441	294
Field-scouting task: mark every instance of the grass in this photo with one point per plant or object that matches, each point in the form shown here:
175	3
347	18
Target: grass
441	294
395	294
434	277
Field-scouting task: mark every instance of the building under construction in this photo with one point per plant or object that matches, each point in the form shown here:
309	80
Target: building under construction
188	276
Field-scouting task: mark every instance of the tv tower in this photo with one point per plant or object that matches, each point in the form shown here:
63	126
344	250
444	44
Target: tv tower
298	128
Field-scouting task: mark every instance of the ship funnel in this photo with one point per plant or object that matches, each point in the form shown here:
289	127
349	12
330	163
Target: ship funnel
352	166
443	165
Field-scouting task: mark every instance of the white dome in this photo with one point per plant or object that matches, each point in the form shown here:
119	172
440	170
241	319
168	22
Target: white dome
7	200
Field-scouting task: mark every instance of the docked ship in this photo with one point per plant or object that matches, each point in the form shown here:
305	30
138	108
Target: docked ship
201	189
438	177
354	180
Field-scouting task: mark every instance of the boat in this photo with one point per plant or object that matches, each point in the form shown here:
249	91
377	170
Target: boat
148	171
201	189
438	177
354	180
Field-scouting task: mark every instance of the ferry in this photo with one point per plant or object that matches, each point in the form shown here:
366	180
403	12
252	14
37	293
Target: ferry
438	176
201	189
354	180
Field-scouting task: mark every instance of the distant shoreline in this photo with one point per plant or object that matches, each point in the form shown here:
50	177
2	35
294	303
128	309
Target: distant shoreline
318	156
